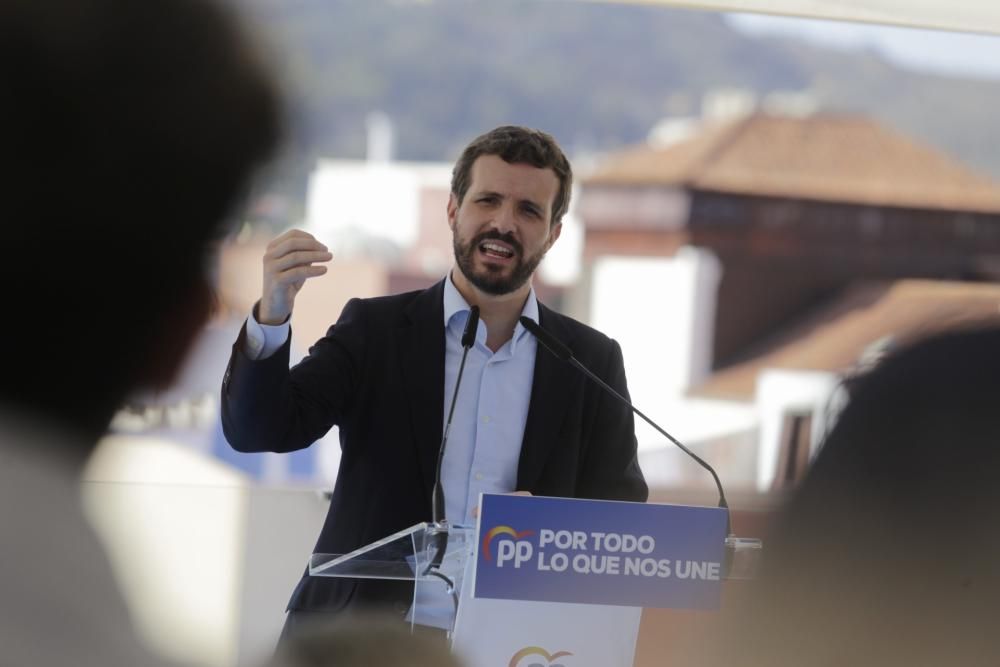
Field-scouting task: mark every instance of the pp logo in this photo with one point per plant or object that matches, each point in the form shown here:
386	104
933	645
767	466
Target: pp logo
531	656
508	549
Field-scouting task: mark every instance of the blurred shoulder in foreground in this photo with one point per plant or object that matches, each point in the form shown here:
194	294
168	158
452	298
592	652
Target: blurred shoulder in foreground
130	130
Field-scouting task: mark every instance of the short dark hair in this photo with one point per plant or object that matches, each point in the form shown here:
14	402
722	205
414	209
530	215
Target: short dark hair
517	145
130	130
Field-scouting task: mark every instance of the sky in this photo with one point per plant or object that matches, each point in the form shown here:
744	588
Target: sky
934	51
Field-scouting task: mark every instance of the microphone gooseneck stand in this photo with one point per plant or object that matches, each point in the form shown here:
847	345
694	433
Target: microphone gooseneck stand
562	352
440	521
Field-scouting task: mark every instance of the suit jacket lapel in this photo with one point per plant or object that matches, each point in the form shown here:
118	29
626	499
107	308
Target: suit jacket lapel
421	358
551	389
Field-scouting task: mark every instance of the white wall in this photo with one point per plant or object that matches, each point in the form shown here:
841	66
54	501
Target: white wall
281	529
377	199
779	393
206	560
661	311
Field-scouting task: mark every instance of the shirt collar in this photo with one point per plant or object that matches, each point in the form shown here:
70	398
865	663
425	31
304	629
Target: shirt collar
455	303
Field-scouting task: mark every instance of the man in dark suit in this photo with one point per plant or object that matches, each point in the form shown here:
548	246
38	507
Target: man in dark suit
524	421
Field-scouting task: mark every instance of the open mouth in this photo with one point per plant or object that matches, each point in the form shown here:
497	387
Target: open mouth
495	250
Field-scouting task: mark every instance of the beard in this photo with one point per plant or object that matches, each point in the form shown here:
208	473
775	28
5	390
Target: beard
491	278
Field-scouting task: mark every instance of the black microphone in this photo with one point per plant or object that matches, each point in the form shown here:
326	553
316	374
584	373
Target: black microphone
437	500
471	327
562	352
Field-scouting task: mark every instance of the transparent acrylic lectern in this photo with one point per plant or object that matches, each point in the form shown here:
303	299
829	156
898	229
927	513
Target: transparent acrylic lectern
432	555
429	555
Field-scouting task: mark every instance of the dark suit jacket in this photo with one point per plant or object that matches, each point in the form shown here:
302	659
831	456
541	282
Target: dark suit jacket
379	375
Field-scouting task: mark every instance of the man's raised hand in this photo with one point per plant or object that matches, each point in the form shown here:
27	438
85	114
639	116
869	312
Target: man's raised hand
290	260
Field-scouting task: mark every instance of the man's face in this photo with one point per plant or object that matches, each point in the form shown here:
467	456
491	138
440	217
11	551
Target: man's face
501	230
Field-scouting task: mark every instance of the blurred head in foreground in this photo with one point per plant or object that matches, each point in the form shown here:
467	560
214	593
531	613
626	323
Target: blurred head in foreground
130	130
887	554
361	641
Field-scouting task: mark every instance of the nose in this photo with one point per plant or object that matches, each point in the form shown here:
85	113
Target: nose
504	219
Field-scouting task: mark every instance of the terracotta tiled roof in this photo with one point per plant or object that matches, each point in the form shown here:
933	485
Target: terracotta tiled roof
834	337
823	157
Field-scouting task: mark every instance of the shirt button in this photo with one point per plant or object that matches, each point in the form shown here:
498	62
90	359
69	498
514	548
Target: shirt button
486	419
479	476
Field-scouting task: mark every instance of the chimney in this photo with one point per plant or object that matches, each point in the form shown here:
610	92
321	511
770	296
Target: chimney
381	137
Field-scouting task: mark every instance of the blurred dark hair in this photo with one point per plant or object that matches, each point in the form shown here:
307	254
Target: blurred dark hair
130	131
517	145
916	431
886	554
361	640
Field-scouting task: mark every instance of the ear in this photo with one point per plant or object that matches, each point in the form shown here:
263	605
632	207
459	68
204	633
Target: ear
554	234
452	211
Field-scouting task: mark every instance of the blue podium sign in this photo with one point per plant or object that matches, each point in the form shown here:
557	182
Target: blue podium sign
599	552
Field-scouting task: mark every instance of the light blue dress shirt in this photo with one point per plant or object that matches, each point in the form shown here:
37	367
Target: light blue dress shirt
484	443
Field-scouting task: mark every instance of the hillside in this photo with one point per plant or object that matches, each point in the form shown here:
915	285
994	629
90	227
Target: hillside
596	75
